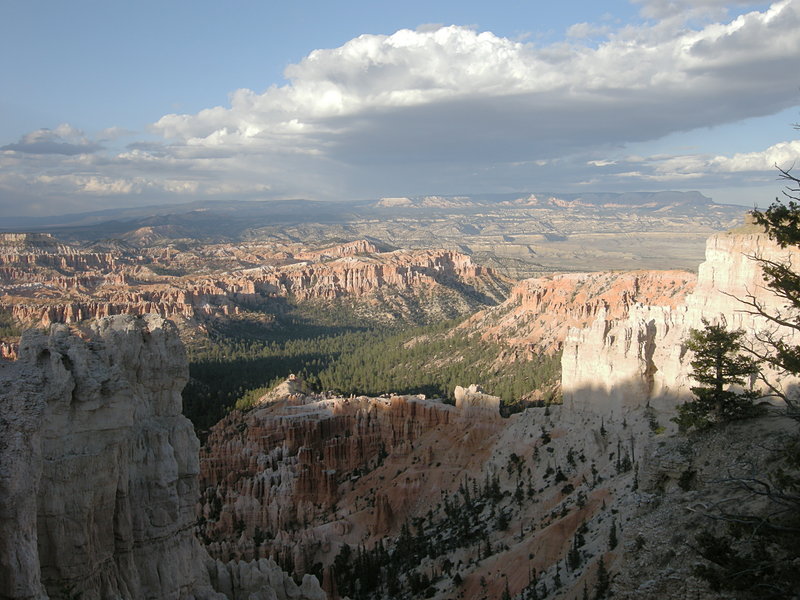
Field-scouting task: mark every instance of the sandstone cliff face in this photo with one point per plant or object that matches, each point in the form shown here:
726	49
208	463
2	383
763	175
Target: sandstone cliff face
621	363
539	312
98	468
100	474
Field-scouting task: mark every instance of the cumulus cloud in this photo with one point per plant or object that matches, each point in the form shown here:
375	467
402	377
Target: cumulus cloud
745	167
783	155
455	109
458	94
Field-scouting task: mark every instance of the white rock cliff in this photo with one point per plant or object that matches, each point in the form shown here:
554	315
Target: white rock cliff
614	366
98	471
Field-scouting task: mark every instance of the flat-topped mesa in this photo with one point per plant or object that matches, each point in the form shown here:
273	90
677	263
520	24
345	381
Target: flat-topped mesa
31	242
617	364
98	469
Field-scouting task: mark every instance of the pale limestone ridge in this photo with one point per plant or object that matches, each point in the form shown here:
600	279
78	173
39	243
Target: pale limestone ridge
473	399
98	468
614	366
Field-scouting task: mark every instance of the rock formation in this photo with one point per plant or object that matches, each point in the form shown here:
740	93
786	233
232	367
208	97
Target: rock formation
617	364
340	466
473	399
539	312
44	281
98	469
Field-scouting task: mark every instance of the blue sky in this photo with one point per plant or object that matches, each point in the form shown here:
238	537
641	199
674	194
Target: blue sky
119	104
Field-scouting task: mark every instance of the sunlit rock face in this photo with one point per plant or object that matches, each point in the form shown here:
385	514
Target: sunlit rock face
44	281
98	468
539	312
618	364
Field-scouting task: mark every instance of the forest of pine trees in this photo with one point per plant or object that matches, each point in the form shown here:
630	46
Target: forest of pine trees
431	360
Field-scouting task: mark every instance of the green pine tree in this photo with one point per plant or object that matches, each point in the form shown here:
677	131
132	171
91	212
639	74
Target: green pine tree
718	363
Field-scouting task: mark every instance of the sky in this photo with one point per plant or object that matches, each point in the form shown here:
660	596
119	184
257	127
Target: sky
115	104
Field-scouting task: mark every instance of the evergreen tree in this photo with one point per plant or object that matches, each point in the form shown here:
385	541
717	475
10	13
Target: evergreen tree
782	223
759	552
603	582
506	593
612	536
718	363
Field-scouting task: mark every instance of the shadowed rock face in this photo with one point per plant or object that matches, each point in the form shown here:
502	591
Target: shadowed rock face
98	469
618	364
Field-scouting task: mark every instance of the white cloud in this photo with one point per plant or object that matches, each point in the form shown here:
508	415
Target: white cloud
470	95
64	139
454	109
783	155
114	133
746	168
581	31
688	9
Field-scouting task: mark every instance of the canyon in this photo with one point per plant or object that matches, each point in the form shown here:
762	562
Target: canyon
312	495
44	281
305	477
520	235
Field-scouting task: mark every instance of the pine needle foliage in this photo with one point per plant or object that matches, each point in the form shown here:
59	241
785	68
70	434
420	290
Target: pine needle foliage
718	364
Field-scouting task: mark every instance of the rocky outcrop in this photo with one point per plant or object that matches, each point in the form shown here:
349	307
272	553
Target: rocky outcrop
42	249
100	474
312	470
98	468
539	312
58	283
9	350
473	399
261	580
618	364
357	277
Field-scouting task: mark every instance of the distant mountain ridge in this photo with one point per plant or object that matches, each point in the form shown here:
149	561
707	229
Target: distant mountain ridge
521	235
300	209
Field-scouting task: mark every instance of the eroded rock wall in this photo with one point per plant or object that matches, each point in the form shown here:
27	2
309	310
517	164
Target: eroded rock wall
615	365
100	478
98	468
539	312
45	282
298	474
